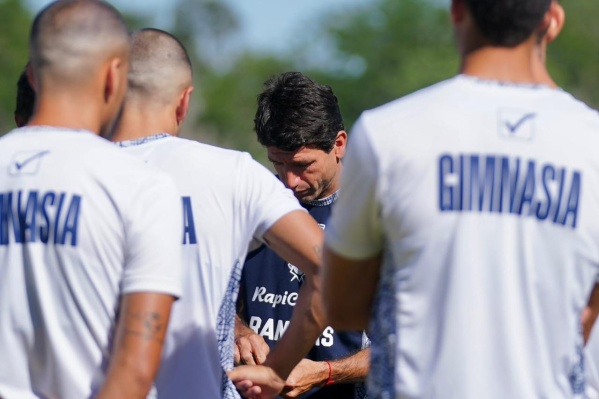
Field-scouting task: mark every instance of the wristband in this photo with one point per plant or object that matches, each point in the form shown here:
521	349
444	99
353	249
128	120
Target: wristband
330	379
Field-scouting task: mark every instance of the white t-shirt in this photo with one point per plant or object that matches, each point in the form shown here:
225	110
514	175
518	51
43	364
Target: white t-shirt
484	199
81	223
229	200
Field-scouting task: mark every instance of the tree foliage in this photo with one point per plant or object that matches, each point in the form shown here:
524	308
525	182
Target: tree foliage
15	21
400	47
369	55
230	100
573	59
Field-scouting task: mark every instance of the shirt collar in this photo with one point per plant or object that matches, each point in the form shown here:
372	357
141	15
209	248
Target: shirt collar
140	141
323	201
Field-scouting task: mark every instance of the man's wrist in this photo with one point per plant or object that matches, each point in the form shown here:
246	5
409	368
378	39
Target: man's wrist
241	328
271	363
329	373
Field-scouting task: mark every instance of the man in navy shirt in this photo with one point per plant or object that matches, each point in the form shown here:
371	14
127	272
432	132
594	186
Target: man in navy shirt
299	123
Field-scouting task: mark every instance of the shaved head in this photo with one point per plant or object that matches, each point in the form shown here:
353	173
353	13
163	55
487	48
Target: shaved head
70	39
160	68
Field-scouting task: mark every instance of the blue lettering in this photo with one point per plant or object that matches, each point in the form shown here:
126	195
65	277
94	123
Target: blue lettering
71	221
508	184
4	212
528	190
32	219
48	199
189	230
514	177
572	204
503	185
57	217
561	178
446	190
469	185
544	207
29	218
17	219
482	185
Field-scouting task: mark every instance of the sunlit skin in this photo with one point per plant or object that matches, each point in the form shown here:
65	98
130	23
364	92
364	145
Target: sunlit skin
310	173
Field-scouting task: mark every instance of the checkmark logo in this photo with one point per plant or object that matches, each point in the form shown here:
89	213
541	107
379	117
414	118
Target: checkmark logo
26	162
22	164
513	128
516	124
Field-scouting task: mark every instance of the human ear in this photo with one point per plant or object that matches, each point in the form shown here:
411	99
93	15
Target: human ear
113	81
340	144
31	77
554	21
183	105
458	11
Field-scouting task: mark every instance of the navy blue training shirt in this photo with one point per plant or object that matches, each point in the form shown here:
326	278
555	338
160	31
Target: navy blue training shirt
267	297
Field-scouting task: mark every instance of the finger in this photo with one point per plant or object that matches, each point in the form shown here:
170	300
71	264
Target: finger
243	385
236	355
260	357
293	394
245	352
251	393
255	390
260	349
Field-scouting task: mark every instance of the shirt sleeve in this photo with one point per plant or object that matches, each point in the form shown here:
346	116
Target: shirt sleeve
153	238
355	230
266	198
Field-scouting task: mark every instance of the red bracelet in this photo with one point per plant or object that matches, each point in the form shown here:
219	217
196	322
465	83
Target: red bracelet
330	379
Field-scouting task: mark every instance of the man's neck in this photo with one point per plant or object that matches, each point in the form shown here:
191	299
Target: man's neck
139	123
523	64
63	110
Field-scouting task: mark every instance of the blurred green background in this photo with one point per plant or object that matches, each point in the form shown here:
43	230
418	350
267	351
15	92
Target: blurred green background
369	52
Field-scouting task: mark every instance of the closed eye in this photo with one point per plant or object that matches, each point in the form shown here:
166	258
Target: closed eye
302	165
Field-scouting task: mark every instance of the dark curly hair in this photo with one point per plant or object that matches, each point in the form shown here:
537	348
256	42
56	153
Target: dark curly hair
295	112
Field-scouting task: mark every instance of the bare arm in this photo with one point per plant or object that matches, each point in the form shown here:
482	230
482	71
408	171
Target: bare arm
353	368
307	321
589	315
250	348
137	346
309	374
297	238
348	308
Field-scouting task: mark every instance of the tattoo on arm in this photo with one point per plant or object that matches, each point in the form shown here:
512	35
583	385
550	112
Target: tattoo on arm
148	325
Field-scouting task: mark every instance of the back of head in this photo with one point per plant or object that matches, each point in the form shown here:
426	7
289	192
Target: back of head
71	39
160	67
507	23
295	112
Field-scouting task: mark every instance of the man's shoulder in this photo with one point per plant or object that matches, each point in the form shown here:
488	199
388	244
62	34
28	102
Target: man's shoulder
575	108
195	152
89	150
422	100
85	162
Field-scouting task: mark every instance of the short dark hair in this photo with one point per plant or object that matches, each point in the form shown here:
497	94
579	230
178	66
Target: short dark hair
295	112
25	98
69	37
159	66
507	23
